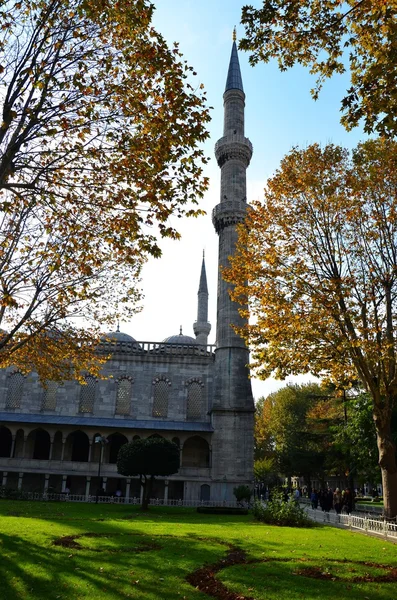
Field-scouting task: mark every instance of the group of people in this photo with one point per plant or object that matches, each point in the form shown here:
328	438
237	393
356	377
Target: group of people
338	500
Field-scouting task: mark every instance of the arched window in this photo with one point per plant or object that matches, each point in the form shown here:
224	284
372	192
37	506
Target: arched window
116	440
161	386
87	395
194	409
123	399
15	389
205	493
196	452
49	401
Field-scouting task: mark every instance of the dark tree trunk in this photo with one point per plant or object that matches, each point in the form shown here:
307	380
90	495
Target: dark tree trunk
147	491
387	462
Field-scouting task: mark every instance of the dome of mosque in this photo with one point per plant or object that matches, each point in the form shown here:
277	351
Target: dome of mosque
180	339
117	336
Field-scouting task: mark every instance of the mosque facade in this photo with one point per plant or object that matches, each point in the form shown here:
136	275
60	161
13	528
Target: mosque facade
181	388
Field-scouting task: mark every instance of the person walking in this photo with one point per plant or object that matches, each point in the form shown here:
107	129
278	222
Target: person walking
337	501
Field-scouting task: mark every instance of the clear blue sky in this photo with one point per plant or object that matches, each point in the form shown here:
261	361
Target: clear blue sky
279	114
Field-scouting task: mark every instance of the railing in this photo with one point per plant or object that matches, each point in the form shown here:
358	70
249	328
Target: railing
36	496
156	348
369	524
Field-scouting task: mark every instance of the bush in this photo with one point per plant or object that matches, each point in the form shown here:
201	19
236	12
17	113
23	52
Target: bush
242	493
279	512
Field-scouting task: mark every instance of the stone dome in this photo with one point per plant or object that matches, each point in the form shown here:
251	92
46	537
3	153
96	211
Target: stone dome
117	336
180	339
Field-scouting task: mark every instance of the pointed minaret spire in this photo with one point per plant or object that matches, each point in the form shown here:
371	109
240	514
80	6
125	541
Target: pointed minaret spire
202	327
234	80
232	407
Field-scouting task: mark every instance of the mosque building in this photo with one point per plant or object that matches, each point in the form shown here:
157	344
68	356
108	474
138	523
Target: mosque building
183	389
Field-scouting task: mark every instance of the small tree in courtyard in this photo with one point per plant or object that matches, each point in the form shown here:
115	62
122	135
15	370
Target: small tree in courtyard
150	458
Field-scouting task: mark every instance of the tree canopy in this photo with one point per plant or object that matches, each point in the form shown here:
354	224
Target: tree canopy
148	458
330	36
317	262
99	147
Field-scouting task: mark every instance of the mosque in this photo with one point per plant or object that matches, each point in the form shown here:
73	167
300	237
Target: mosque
183	389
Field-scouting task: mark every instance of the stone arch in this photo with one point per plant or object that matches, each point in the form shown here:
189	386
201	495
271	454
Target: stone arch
177	441
116	440
123	397
78	446
161	389
194	403
38	444
196	452
5	442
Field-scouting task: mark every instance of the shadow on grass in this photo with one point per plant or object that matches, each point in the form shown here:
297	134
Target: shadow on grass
127	553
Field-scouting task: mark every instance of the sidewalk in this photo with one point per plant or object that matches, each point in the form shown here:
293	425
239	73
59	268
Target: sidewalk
373	526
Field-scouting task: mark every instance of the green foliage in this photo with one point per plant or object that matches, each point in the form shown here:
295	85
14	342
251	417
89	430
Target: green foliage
355	438
265	471
283	424
152	456
242	493
278	512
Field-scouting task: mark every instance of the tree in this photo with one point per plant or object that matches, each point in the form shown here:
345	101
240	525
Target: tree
325	36
355	436
99	148
317	262
263	439
148	458
298	440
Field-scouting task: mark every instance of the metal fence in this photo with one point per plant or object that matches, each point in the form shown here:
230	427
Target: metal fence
35	496
368	524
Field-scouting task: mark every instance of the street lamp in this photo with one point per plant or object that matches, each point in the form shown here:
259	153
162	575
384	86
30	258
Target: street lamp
99	439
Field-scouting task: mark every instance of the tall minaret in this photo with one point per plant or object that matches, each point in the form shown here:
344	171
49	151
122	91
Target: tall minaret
233	406
202	327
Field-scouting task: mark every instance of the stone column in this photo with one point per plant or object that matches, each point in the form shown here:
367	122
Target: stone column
127	488
12	453
141	494
46	482
24	446
20	477
64	477
51	448
63	448
4	481
104	482
90	451
87	486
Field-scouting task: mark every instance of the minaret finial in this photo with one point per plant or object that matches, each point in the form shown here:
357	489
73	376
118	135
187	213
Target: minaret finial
234	34
203	253
118	326
180	330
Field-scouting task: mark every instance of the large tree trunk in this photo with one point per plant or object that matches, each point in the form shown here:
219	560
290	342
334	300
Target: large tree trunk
387	463
147	491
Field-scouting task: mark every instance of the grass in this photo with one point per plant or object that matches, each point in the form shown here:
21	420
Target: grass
130	554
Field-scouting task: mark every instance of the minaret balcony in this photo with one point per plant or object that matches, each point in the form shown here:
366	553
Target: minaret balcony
233	147
228	212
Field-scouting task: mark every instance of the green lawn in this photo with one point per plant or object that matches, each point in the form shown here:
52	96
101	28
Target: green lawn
118	552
